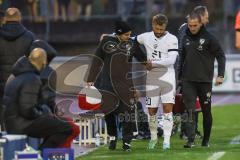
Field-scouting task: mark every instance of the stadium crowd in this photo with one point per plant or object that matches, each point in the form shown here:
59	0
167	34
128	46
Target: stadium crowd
40	10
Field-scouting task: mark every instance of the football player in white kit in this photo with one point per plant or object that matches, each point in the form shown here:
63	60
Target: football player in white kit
162	52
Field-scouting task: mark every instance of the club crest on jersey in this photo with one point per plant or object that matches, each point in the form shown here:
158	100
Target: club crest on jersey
155	46
201	41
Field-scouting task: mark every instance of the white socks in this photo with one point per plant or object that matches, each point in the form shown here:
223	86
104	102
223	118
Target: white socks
167	127
153	124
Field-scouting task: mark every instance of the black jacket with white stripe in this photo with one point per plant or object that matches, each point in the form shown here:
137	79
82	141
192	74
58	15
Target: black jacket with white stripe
197	57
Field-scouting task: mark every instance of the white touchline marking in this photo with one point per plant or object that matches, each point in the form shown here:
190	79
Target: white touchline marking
235	140
216	156
86	152
102	156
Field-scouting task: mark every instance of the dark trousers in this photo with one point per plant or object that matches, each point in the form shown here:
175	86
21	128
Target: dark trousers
192	90
183	123
54	131
125	115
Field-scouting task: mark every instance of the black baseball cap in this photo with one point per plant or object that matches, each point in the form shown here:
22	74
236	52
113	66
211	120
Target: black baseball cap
121	27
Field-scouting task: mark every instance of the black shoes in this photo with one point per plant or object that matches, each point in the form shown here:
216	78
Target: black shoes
205	143
126	147
113	144
189	145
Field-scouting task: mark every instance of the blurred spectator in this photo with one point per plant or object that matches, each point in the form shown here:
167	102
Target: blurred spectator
139	7
125	8
159	6
162	6
237	28
178	7
33	9
48	9
44	9
53	9
15	41
237	5
110	6
63	8
73	10
4	4
85	7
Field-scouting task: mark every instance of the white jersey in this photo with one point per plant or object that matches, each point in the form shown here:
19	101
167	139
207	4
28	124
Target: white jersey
161	51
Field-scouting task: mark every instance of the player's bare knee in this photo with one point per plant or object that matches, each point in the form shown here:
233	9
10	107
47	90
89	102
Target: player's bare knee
152	111
167	107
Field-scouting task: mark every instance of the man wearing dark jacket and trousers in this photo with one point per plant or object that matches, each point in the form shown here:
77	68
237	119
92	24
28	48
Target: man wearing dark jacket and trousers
48	75
199	51
15	41
203	13
24	113
116	51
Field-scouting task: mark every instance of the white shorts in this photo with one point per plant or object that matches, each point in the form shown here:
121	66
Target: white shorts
160	90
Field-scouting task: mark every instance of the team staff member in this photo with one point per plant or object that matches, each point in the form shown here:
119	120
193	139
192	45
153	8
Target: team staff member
199	50
203	13
113	78
15	41
25	114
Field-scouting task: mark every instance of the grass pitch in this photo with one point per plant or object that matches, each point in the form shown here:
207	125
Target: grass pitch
226	126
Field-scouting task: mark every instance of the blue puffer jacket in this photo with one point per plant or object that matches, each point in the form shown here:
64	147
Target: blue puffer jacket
22	96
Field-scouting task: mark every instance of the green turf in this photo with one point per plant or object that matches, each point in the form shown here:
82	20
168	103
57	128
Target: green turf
226	125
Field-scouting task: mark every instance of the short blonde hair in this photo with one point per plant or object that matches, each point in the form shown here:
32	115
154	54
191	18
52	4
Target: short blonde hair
160	19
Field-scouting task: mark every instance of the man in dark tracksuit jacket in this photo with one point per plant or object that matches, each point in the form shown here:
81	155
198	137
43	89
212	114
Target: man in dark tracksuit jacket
15	42
24	113
48	75
199	50
203	13
116	51
48	78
